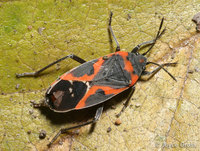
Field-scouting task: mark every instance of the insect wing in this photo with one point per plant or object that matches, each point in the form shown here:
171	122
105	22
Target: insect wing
89	84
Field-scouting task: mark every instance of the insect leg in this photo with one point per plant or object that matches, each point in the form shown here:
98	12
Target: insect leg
138	47
42	103
150	74
127	101
110	29
64	130
151	42
34	74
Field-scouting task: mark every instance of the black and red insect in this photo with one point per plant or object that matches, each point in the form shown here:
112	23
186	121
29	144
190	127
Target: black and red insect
98	80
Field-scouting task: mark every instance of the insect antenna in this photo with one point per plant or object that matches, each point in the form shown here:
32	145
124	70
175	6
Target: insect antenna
159	34
161	67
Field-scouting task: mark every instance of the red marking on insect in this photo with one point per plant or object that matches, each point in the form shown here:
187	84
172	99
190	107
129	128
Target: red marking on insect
107	90
129	67
97	66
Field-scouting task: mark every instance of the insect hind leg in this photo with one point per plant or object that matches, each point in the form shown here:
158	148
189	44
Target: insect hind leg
35	74
42	103
64	130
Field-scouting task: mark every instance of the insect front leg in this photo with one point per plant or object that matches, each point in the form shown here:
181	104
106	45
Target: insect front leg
151	42
64	130
35	74
138	47
111	31
127	101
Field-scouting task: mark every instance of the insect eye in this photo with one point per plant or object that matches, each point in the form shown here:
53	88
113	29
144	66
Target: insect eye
143	68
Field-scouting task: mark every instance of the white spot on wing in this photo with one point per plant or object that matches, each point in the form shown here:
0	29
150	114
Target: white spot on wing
70	90
88	86
70	81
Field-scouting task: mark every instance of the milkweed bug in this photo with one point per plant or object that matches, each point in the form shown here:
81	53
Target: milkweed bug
98	80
